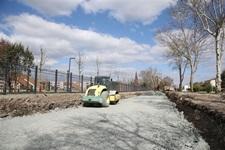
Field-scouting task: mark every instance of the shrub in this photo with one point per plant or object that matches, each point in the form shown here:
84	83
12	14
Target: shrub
197	87
207	87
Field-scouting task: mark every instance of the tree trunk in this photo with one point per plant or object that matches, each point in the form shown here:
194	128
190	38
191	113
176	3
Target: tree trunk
191	79
9	80
79	81
40	78
218	63
181	79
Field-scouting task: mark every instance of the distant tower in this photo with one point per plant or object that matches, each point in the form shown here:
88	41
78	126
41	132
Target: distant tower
136	81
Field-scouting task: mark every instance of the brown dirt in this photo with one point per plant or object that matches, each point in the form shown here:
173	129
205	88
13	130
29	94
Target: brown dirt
206	112
26	104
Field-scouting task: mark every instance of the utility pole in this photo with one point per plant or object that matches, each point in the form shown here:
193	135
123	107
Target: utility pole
98	63
68	73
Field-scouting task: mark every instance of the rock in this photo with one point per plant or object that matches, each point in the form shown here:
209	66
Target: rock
4	115
51	106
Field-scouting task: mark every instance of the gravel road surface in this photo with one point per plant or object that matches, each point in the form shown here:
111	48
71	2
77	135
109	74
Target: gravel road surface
138	123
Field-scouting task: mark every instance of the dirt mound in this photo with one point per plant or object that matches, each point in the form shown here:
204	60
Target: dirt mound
206	112
26	104
19	105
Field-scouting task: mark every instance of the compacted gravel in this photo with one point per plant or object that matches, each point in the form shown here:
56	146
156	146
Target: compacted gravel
142	122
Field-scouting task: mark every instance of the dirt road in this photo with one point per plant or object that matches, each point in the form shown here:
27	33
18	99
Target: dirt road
143	122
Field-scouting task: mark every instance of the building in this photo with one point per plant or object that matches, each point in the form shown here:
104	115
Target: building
212	82
60	84
22	83
186	88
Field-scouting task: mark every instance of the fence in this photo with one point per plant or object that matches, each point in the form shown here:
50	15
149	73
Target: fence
33	80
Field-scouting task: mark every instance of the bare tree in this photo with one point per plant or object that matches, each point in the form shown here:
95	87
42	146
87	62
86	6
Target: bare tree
181	65
166	82
185	40
193	43
42	59
173	53
210	15
150	78
188	44
80	64
41	62
98	63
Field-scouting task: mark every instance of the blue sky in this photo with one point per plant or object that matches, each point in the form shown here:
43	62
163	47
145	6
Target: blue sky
120	33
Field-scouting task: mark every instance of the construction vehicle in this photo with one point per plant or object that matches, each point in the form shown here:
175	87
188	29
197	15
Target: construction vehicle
100	94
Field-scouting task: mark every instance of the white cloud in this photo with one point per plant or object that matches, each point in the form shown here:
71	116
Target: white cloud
62	41
53	7
144	11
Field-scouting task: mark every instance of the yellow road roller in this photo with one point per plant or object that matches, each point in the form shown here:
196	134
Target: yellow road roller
99	94
96	95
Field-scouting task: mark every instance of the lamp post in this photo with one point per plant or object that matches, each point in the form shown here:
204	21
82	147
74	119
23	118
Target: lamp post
70	62
69	76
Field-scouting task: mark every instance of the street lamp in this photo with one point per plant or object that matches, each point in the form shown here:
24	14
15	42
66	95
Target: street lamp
70	62
69	77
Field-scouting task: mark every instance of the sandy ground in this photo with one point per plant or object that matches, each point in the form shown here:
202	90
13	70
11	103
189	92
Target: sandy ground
143	122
